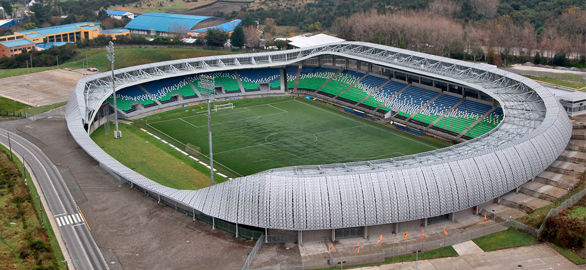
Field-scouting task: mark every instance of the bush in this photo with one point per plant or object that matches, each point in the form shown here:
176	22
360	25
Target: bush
564	232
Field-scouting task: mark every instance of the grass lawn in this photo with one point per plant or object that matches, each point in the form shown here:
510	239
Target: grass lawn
566	80
26	237
153	159
125	57
9	107
426	255
261	134
571	255
505	239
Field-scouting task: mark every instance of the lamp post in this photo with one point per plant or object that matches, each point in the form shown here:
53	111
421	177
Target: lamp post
110	49
207	85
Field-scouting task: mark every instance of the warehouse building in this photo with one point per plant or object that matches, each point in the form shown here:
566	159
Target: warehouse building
166	24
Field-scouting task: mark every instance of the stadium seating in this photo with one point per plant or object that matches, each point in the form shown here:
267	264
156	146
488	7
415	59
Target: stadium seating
227	79
126	97
313	78
363	88
463	116
437	108
252	78
384	94
486	124
411	100
163	90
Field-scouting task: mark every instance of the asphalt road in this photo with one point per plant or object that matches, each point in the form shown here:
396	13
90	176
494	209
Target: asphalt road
68	223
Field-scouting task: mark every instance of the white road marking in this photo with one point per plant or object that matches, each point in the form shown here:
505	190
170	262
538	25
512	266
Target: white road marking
58	221
68	218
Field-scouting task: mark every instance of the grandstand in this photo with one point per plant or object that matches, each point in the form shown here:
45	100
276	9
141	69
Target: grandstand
477	104
447	112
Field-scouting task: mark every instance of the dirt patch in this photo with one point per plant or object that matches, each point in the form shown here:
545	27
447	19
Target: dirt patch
40	88
218	7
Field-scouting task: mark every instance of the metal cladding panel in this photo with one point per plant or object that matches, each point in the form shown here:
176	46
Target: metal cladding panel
370	196
460	184
349	200
548	148
324	207
447	188
300	204
389	199
313	209
490	173
401	192
517	166
381	198
474	184
433	198
245	203
508	174
528	157
288	204
358	194
543	154
336	217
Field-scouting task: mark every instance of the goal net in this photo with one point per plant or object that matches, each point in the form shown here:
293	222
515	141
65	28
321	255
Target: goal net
227	106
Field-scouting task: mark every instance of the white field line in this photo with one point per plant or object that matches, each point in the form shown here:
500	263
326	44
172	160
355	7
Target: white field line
354	120
183	152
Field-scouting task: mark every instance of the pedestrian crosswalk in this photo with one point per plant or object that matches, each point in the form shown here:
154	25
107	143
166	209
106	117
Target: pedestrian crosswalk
69	219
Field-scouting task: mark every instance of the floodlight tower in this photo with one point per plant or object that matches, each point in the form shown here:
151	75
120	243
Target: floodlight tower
208	86
110	49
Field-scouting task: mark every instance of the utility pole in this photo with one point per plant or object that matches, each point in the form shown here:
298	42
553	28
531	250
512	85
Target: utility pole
110	49
207	85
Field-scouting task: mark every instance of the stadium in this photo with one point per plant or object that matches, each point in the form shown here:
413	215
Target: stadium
505	130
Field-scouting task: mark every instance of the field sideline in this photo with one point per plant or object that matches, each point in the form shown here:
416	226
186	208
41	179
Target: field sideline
260	134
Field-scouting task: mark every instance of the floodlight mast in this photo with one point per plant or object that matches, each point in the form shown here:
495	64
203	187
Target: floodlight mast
207	85
110	49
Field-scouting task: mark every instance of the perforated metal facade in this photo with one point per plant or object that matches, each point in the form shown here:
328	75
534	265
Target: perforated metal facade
534	132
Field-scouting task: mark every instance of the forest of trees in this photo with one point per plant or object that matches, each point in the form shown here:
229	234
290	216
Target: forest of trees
439	34
455	28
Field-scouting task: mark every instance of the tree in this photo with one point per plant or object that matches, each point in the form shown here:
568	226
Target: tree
270	28
559	59
7	7
251	37
237	37
537	58
216	38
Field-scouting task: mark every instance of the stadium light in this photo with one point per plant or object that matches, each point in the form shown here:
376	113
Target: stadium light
207	86
110	49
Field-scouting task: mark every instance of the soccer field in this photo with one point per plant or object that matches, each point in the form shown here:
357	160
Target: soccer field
276	132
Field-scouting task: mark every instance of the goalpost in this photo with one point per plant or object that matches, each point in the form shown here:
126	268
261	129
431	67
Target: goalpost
227	106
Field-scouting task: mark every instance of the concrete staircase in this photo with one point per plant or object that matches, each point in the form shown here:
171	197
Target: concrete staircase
550	185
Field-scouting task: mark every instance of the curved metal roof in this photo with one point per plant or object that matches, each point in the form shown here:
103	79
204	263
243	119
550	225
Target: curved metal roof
533	133
165	22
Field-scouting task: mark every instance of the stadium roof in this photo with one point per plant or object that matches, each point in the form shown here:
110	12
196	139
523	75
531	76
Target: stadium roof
304	41
533	133
226	27
39	32
16	43
165	22
117	12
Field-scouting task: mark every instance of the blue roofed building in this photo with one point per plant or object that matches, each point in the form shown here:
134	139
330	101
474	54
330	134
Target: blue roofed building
167	24
226	27
14	47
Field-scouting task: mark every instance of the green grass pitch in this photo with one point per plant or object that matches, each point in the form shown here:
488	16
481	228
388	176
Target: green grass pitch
260	134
